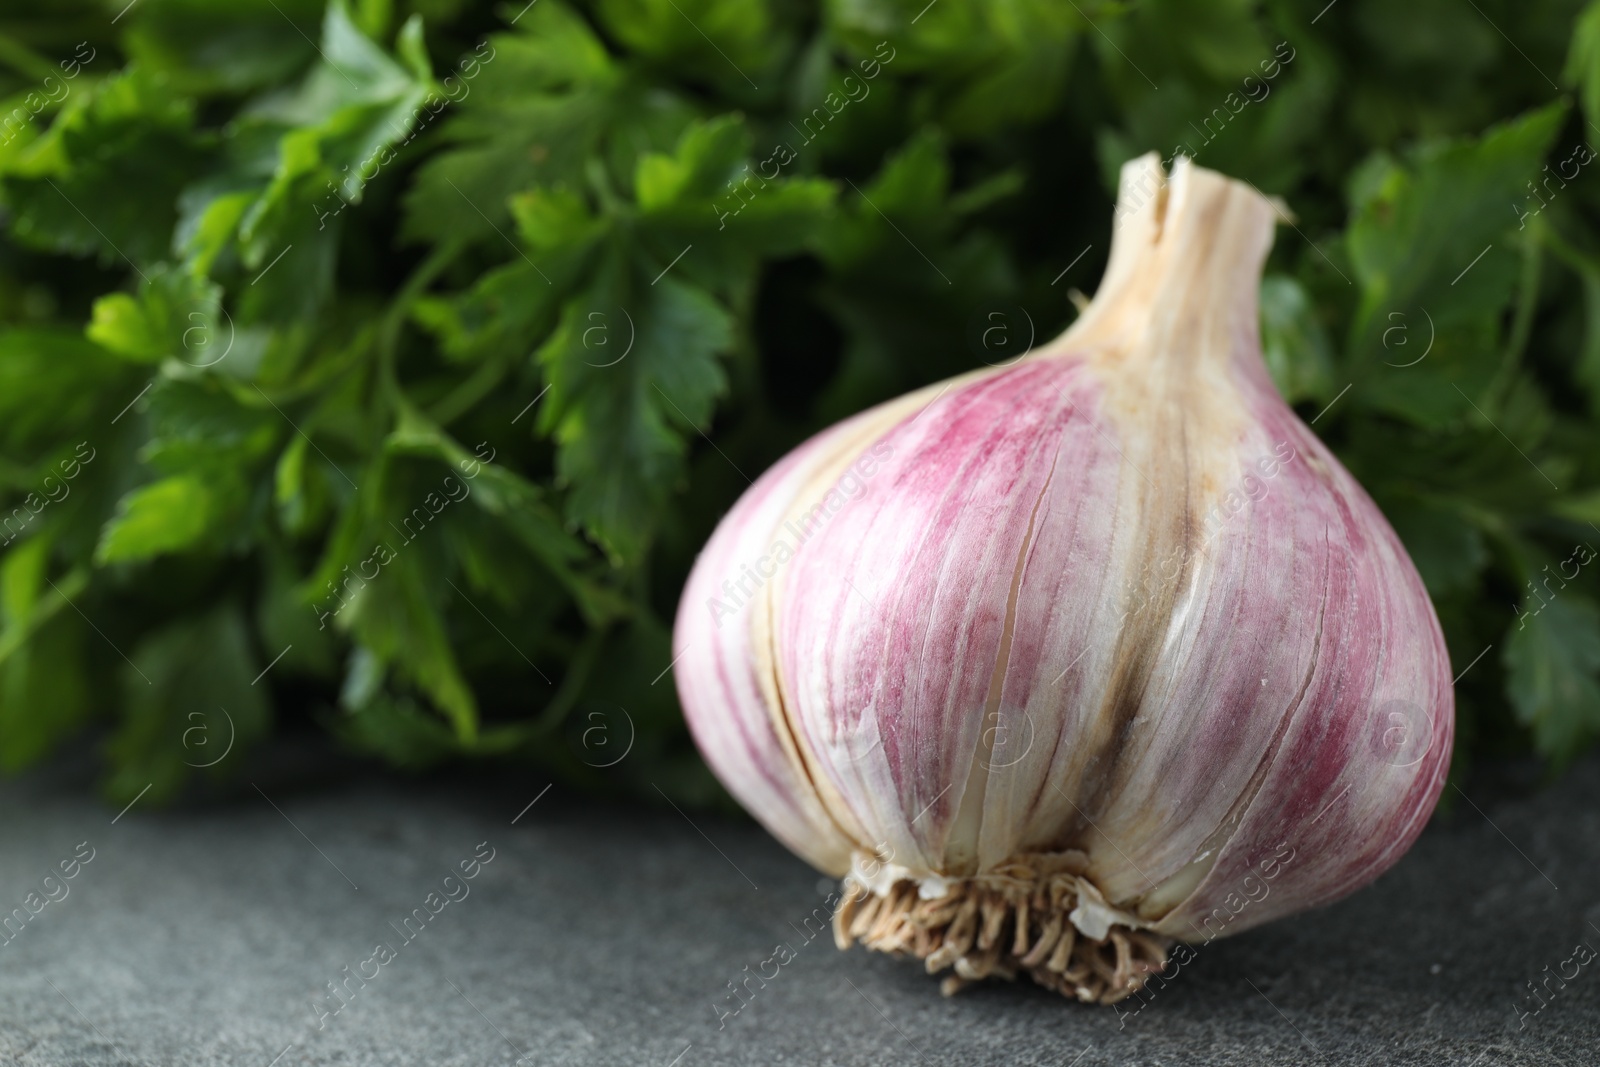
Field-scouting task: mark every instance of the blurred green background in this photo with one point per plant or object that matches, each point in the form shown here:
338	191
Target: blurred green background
378	367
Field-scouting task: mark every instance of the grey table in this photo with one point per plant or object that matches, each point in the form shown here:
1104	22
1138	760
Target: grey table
609	934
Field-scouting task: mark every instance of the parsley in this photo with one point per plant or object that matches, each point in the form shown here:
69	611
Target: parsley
403	354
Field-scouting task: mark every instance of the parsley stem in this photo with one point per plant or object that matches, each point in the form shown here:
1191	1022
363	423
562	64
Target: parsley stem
395	318
1587	268
572	685
25	60
465	396
1522	319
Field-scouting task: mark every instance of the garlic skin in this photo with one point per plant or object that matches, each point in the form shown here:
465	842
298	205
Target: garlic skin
1109	618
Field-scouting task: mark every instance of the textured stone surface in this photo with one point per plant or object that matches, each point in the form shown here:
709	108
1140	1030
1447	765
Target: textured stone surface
606	934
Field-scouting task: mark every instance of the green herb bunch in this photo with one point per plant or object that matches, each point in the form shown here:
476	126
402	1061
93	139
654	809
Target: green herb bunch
383	364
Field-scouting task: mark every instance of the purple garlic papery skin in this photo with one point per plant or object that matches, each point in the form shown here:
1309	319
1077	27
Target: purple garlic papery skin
1060	661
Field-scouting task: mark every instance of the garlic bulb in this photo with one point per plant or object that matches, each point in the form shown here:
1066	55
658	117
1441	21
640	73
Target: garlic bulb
1058	662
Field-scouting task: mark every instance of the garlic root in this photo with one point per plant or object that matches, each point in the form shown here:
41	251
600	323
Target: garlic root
994	925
